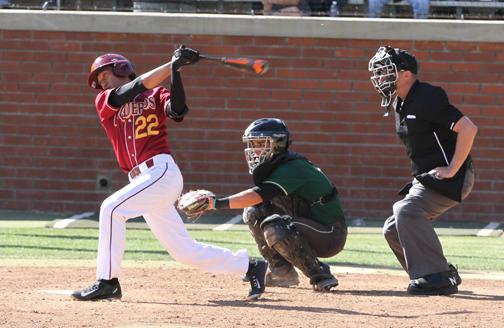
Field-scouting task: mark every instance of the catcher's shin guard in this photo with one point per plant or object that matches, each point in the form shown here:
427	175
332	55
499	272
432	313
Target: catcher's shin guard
280	273
283	237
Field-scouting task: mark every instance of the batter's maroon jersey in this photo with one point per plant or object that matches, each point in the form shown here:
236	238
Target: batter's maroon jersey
137	130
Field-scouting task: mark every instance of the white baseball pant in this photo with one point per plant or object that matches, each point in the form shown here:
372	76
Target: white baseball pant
152	194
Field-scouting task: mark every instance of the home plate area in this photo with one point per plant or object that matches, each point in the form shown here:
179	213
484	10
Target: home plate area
184	297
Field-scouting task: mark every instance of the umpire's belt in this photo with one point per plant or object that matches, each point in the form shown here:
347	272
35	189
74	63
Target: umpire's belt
137	170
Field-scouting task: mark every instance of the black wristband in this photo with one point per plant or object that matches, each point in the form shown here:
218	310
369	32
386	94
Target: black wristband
221	203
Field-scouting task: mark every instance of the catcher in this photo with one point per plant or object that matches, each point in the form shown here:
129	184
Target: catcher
293	211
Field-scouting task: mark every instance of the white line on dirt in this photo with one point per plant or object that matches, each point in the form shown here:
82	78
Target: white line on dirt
56	291
488	230
229	224
62	224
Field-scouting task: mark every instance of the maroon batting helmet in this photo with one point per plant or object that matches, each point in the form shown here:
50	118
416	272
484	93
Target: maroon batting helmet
121	66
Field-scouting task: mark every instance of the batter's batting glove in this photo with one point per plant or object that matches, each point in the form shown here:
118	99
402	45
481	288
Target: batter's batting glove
183	56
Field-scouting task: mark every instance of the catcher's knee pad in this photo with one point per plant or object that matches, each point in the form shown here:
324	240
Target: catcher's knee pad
283	237
255	214
252	216
277	228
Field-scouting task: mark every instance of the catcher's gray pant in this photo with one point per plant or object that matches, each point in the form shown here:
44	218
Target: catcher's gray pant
409	230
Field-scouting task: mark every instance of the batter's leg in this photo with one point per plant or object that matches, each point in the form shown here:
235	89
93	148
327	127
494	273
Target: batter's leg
169	229
112	233
131	201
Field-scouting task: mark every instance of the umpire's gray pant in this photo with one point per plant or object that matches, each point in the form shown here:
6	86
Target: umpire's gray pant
409	231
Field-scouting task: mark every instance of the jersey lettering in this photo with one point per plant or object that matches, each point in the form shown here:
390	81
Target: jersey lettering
137	130
136	108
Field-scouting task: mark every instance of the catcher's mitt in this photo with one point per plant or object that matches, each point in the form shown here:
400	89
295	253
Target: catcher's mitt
195	202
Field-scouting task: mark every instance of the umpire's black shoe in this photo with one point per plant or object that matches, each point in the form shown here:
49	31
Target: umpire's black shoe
102	289
441	283
455	274
256	274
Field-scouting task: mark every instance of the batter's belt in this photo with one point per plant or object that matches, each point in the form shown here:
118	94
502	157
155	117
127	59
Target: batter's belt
137	170
153	161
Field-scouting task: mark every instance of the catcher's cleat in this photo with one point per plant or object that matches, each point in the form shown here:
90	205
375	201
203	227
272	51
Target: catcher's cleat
256	274
277	278
325	285
101	289
323	280
441	283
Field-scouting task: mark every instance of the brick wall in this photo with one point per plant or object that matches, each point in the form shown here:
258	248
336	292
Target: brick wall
54	154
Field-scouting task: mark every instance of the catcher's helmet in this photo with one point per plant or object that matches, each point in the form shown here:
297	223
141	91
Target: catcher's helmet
121	66
265	138
384	66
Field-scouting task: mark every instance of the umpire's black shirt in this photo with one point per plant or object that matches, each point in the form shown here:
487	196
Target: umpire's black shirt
424	122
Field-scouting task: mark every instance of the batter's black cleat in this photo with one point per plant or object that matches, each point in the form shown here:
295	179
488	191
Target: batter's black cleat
441	283
256	274
101	289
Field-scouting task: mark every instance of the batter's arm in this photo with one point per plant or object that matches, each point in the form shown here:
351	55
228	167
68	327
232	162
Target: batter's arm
146	81
176	108
156	76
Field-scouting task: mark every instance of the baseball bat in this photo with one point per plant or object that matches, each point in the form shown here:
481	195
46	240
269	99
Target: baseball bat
256	66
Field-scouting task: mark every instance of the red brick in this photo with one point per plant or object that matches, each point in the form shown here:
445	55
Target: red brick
445	56
271	52
302	42
267	41
328	103
14	34
429	45
462	46
435	66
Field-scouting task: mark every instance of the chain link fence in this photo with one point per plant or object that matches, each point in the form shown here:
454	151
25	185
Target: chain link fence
440	9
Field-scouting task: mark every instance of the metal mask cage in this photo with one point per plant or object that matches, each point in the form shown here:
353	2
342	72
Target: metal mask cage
257	155
384	76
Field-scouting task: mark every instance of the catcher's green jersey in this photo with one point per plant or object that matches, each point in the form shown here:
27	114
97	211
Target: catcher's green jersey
301	179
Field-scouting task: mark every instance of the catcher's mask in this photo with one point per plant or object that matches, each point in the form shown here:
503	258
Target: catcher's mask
264	138
384	66
121	67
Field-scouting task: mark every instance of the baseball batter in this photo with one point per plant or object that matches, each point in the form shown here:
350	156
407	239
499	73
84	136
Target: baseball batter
134	113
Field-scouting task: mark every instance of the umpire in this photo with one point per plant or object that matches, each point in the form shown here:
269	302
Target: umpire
438	139
293	211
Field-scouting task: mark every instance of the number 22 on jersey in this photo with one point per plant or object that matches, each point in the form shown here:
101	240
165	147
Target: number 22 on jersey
146	126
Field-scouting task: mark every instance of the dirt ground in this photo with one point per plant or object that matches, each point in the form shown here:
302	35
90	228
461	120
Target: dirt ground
190	298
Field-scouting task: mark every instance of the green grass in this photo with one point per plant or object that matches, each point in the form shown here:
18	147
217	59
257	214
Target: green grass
368	250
